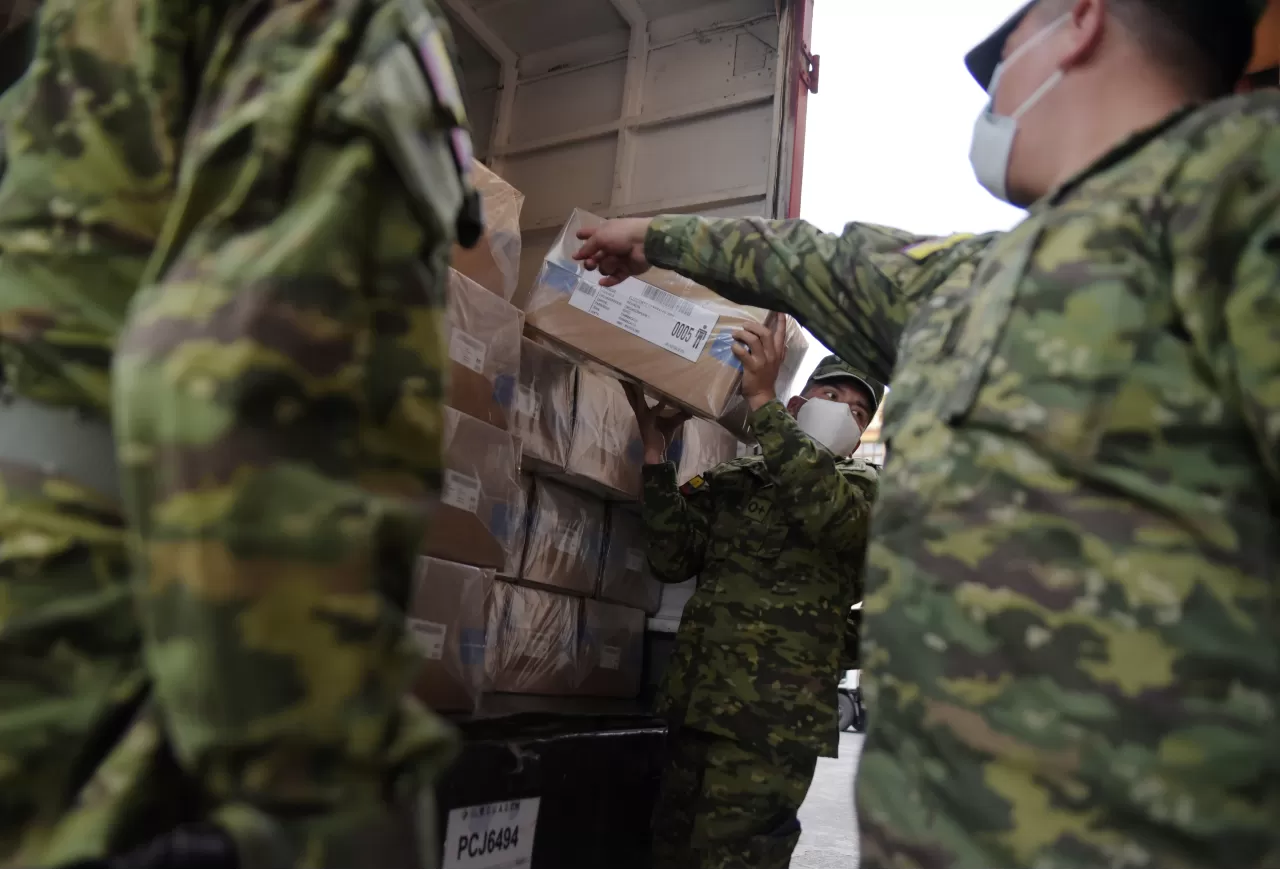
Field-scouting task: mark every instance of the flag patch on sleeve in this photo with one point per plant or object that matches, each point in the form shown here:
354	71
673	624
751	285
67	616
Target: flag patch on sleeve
921	250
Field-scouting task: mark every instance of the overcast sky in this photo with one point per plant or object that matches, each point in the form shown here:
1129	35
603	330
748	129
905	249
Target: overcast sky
888	132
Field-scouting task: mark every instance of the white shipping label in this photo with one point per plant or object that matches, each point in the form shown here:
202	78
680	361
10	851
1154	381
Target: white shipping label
467	350
492	835
635	560
661	318
528	403
428	637
461	491
611	657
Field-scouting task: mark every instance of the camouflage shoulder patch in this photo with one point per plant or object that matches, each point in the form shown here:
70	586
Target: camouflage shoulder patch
860	469
921	250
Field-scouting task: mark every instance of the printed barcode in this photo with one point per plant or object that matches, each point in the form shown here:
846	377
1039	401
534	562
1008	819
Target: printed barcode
586	288
668	301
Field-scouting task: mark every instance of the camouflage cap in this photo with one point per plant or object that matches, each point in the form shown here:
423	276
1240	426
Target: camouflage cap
832	368
1230	41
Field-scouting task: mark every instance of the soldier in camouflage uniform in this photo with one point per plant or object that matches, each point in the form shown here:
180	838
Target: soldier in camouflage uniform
1071	643
224	228
776	541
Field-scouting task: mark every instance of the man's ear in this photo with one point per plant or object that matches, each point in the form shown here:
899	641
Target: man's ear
794	404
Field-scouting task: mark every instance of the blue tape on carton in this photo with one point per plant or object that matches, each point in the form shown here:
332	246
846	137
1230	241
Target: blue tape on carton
721	349
500	520
558	278
471	646
504	391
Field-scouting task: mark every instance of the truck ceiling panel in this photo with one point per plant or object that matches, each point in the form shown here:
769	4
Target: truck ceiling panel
531	27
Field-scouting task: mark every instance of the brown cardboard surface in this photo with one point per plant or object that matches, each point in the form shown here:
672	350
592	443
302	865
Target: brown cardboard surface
475	520
705	387
543	407
494	263
625	577
700	446
611	653
447	617
520	527
566	536
532	641
605	452
484	348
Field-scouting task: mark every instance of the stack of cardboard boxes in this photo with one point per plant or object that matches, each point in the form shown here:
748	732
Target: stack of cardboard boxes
535	578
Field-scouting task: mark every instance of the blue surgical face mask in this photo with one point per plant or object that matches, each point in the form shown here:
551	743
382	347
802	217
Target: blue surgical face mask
993	134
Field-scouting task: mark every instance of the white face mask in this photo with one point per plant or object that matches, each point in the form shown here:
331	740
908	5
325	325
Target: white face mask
993	134
831	424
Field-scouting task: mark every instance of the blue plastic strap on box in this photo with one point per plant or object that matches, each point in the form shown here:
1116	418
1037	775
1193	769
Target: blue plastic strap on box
471	646
676	451
500	520
504	390
635	451
558	278
721	348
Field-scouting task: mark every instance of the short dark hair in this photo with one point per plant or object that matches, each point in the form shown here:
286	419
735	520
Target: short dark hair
1204	46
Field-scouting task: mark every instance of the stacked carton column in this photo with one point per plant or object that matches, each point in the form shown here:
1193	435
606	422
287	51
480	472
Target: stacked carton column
474	531
536	579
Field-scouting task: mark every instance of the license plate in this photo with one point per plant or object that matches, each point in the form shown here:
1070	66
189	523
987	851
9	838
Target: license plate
492	835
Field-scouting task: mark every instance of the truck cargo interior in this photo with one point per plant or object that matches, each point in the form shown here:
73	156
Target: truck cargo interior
636	107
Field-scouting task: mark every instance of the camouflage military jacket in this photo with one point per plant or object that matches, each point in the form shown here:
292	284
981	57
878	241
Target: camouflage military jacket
224	226
1071	646
776	541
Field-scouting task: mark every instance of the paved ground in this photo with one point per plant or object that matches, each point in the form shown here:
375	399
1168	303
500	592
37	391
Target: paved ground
828	836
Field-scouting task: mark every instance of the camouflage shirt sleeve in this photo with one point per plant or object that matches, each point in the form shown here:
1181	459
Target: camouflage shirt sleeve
833	509
677	521
1225	238
855	292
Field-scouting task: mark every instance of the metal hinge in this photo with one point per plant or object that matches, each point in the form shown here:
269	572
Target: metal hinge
809	69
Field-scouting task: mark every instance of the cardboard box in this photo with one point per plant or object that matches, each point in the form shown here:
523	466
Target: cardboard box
475	520
735	418
625	577
494	263
484	346
664	331
520	533
611	653
606	452
532	641
566	536
543	408
448	612
700	446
